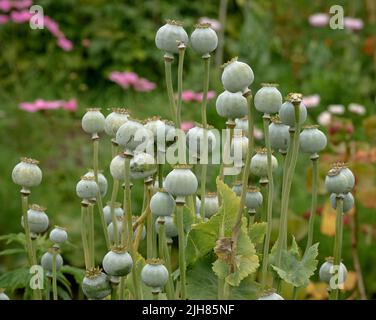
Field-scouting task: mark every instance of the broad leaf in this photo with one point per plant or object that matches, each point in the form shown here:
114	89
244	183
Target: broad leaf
257	232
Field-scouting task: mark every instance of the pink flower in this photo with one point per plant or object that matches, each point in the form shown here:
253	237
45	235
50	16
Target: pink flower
3	19
215	24
70	105
124	79
311	101
199	96
65	44
319	20
53	27
22	4
144	85
188	95
20	16
29	107
336	109
353	23
357	108
186	125
5	5
324	118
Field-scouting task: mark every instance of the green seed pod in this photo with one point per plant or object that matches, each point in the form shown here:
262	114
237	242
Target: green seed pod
46	262
171	229
117	167
237	76
162	204
268	99
327	271
95	285
93	121
279	135
231	105
169	36
239	147
118	210
348	201
253	199
237	188
142	165
194	139
115	120
242	124
348	173
259	163
102	181
312	140
132	134
287	113
270	295
117	262
37	219
87	188
119	221
211	204
336	181
181	182
3	296
58	235
162	131
204	39
154	275
27	173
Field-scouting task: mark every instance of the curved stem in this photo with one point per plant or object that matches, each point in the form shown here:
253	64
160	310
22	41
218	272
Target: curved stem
54	276
181	236
164	255
29	245
84	236
180	83
115	190
149	230
170	91
90	219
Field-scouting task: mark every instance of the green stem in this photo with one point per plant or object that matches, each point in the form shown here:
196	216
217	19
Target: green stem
311	223
295	293
265	260
114	148
84	235
181	236
115	190
48	288
180	83
90	219
155	295
149	232
164	255
54	276
160	175
170	91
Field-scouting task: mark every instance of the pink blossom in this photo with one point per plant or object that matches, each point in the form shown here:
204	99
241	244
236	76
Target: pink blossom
5	5
215	24
357	108
144	85
188	95
319	20
124	79
3	19
258	134
353	23
41	104
20	16
53	27
336	109
311	101
22	4
29	107
186	125
324	118
70	105
199	96
65	44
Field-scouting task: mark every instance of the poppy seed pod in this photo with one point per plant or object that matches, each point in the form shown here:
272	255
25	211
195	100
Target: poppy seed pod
239	147
95	284
37	219
115	120
259	163
237	76
142	165
117	262
154	274
237	188
117	167
93	121
195	138
328	271
46	262
253	199
242	124
87	188
336	181
27	173
268	99
131	134
118	211
171	229
162	204
181	182
119	225
102	181
312	140
287	113
162	131
204	39
270	295
211	204
348	173
169	36
198	205
58	235
231	105
348	201
3	296
279	135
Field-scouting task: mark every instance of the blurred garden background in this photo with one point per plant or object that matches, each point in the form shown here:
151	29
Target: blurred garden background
101	53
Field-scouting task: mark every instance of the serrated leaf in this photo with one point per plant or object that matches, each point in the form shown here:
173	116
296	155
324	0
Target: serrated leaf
297	271
257	232
15	279
77	273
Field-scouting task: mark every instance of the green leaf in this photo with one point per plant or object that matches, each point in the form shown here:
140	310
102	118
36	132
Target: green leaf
9	252
257	232
77	273
294	270
15	279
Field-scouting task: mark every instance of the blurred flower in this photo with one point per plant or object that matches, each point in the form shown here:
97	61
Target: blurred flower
324	118
191	96
5	5
144	85
336	109
353	23
20	16
319	20
53	27
65	44
357	108
199	96
3	19
128	79
70	105
186	125
41	104
22	4
311	101
258	134
215	24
